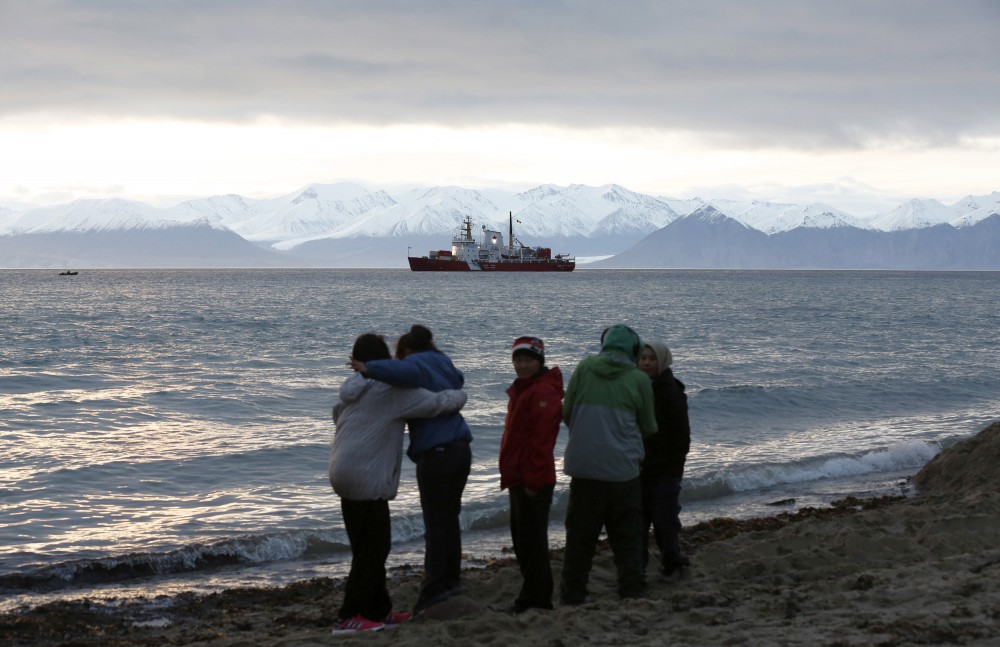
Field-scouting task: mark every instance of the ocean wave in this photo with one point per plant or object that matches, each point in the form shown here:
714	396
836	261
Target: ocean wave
877	394
45	383
907	455
246	550
748	401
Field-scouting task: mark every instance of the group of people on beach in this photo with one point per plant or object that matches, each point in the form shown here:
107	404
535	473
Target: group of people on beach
628	440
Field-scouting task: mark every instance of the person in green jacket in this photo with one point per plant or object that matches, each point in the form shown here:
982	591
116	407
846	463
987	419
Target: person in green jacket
608	409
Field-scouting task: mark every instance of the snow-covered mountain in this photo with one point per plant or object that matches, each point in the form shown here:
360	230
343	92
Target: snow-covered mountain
90	216
437	210
972	209
771	217
915	214
324	224
579	210
709	239
312	212
222	210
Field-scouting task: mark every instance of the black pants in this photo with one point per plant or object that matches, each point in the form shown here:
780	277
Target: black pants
370	534
661	509
529	530
616	506
441	476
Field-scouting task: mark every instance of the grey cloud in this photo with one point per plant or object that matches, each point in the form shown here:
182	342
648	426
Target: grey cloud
778	72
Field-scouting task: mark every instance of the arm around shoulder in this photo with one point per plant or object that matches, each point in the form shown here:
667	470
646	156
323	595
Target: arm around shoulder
421	403
396	372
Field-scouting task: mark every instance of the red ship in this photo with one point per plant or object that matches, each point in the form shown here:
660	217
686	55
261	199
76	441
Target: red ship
491	255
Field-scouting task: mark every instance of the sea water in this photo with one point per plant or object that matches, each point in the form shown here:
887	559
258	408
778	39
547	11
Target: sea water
169	430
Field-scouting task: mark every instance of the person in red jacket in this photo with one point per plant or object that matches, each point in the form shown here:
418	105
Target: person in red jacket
528	469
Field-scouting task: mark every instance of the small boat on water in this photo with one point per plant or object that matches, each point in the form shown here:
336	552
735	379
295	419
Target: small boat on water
68	273
491	254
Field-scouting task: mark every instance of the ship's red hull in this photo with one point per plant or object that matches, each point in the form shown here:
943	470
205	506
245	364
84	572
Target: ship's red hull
424	264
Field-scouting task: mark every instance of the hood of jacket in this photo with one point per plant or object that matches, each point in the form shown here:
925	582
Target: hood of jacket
663	356
610	365
354	387
619	339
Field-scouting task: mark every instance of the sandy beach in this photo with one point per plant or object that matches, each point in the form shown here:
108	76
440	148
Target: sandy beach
918	570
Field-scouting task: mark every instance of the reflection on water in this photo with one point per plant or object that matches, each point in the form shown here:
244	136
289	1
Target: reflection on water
177	416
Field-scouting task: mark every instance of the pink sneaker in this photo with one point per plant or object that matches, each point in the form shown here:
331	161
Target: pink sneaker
354	625
395	618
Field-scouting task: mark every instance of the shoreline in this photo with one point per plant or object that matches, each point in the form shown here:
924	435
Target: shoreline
302	611
481	545
889	570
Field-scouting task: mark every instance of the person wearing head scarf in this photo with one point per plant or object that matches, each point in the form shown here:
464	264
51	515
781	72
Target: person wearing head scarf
666	452
608	409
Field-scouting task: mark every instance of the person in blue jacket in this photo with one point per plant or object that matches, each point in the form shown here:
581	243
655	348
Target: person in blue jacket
440	448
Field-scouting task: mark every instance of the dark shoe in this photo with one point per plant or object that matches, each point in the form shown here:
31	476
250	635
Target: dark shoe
675	565
423	603
571	600
518	608
633	593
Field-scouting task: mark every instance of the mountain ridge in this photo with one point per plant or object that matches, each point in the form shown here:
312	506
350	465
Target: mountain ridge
326	224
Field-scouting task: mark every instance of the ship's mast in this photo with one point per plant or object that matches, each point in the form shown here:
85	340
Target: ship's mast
510	241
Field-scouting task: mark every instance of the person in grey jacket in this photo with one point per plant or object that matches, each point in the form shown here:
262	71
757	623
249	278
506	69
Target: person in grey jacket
365	460
441	449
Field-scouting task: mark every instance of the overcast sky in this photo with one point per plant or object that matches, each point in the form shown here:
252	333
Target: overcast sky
859	104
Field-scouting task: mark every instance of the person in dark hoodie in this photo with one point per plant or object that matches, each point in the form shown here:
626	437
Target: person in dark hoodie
440	448
608	408
666	452
528	468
